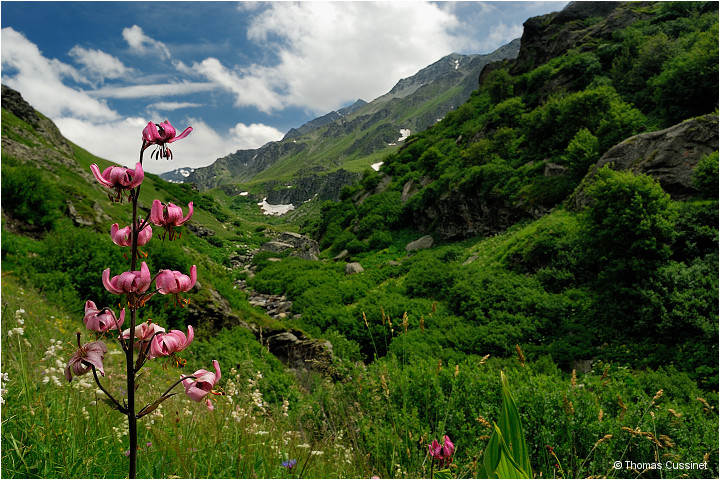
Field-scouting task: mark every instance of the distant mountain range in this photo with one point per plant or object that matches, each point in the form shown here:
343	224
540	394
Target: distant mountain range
347	141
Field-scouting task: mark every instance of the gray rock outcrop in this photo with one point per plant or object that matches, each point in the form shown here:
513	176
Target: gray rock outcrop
669	156
422	242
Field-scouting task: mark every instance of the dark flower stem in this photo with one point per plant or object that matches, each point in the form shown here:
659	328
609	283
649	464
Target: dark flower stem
175	384
122	409
132	416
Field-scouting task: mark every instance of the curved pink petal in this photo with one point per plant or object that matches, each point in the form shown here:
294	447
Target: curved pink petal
151	134
168	131
144	236
156	213
187	217
108	285
217	372
144	279
137	176
173	214
121	236
100	178
184	134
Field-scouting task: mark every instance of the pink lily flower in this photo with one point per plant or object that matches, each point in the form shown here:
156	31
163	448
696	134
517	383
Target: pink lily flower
144	331
119	178
85	357
165	344
169	216
102	320
127	282
161	134
122	237
174	282
448	448
202	384
436	450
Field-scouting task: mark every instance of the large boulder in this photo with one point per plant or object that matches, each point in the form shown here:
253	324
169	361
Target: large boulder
299	245
422	242
669	156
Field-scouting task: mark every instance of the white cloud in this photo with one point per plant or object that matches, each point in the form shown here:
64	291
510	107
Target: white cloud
142	44
120	141
98	64
39	81
152	90
501	34
166	106
332	53
254	135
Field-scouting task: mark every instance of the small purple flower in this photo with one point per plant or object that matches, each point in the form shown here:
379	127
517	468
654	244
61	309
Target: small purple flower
289	464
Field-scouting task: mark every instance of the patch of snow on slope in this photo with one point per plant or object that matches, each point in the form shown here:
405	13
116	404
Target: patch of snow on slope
275	209
376	166
404	133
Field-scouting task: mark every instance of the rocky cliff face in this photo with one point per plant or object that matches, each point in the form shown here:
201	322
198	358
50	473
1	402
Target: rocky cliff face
305	188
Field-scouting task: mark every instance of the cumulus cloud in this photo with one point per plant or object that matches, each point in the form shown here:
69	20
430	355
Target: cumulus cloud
254	135
98	64
143	44
323	52
39	80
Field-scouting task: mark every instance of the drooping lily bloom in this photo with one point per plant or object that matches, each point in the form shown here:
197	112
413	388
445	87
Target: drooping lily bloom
144	332
436	450
442	452
119	178
165	344
122	237
169	216
102	320
202	384
85	357
161	134
174	282
448	448
127	282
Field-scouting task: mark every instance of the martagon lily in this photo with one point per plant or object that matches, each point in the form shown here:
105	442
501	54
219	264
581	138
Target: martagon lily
119	178
161	134
173	282
122	237
197	388
128	282
166	344
169	216
85	357
102	320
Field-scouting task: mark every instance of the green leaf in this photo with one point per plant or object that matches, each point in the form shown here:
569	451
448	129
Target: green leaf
152	406
444	473
511	428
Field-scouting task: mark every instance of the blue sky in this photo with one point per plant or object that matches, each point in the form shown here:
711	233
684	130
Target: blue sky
241	73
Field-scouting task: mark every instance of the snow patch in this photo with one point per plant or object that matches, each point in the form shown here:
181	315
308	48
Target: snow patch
275	209
244	194
457	64
404	133
185	172
376	166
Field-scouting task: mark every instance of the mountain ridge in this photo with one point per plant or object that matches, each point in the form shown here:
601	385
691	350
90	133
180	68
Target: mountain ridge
342	139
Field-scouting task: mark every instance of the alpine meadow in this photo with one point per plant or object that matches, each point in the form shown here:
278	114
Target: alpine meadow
505	267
